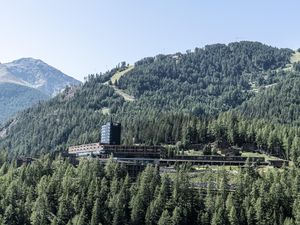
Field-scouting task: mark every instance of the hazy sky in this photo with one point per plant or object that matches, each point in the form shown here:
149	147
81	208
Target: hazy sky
81	37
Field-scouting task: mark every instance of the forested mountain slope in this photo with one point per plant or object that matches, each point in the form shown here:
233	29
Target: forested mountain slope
65	118
217	77
14	97
278	103
180	97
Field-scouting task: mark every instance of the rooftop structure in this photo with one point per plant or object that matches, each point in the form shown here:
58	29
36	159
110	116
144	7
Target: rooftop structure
124	151
133	151
86	149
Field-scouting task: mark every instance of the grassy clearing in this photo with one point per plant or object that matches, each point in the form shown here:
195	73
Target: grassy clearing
105	111
118	75
217	168
267	169
193	153
126	96
211	173
295	57
114	79
215	173
257	154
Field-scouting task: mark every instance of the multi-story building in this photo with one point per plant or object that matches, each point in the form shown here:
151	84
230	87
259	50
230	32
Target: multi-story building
111	134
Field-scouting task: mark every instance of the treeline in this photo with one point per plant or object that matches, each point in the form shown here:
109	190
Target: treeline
252	134
55	192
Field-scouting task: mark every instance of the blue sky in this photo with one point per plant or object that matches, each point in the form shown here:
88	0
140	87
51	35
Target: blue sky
81	37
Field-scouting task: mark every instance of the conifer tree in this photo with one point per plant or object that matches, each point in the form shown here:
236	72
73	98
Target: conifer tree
295	150
177	216
41	211
96	213
54	221
296	210
289	221
232	217
65	209
82	218
165	218
143	197
250	214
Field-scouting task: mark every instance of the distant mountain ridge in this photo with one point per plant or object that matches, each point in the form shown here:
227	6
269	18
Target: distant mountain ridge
36	74
26	81
15	97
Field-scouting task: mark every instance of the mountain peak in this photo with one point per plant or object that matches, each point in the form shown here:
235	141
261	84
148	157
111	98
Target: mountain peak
27	60
25	81
39	75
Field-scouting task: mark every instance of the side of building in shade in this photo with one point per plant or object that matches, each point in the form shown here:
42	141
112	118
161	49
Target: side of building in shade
111	134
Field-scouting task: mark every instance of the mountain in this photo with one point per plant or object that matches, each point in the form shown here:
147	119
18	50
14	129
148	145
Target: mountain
14	97
27	81
278	102
39	75
211	93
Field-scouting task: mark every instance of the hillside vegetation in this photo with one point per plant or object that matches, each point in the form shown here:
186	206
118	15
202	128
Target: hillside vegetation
197	97
56	192
115	78
14	97
206	81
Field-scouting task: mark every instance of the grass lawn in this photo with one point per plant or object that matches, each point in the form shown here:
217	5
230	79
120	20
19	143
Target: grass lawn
193	152
257	154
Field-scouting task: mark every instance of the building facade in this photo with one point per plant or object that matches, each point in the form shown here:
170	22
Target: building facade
111	134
